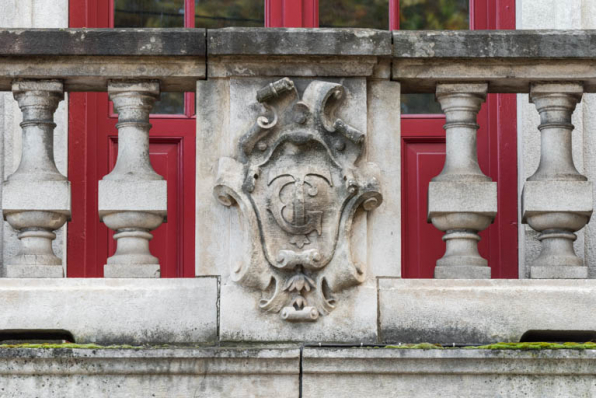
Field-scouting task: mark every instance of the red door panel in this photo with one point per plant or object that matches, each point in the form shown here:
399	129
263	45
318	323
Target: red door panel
422	161
166	157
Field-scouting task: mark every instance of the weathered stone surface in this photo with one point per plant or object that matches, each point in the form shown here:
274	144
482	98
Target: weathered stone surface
222	244
132	271
446	373
296	182
133	197
103	42
92	73
298	52
481	311
212	221
537	44
384	148
37	195
30	14
299	41
462	201
509	60
33	271
114	311
296	65
554	196
51	196
506	75
165	373
353	321
555	15
557	215
462	197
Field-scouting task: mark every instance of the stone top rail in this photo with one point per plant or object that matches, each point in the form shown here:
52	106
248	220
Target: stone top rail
103	42
473	44
85	59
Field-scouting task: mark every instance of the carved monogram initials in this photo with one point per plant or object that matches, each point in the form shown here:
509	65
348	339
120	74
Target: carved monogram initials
299	216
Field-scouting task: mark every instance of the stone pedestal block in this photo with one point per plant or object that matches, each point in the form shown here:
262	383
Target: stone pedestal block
125	206
459	208
562	207
139	196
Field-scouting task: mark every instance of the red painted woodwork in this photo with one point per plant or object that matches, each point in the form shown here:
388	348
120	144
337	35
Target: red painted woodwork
393	14
92	154
423	151
292	13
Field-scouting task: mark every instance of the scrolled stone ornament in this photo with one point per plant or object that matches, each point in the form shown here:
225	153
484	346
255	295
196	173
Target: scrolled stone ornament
296	183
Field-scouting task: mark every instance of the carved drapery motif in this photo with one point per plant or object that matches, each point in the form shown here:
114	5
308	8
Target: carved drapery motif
296	183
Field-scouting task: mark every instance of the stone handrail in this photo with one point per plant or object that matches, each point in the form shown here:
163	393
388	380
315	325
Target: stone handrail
135	65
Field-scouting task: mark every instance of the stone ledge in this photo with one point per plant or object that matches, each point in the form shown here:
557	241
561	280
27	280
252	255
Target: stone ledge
209	372
447	373
91	73
550	44
298	41
481	311
122	311
103	42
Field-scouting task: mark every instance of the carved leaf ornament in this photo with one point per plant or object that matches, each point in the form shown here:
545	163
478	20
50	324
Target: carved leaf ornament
297	186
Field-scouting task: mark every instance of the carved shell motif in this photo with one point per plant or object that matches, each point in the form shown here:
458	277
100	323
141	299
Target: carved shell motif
296	182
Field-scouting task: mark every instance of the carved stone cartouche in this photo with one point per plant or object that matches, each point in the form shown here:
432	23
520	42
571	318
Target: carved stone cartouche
297	186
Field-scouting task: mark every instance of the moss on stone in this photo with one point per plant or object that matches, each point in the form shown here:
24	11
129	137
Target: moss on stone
70	345
536	346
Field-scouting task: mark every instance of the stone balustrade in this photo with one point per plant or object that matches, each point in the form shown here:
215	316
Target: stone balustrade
459	67
36	197
133	197
461	200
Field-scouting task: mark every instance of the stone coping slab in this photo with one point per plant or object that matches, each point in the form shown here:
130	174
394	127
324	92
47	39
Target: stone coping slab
103	42
509	61
198	372
299	41
351	372
481	311
114	311
541	44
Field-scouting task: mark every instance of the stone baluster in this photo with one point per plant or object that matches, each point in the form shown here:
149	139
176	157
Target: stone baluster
557	199
461	200
133	197
36	197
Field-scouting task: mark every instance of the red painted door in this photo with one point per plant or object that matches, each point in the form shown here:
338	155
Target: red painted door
423	155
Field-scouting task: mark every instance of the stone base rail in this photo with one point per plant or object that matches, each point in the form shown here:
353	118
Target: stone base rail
292	372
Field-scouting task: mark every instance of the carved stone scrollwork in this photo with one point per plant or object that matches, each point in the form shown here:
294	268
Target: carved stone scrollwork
296	183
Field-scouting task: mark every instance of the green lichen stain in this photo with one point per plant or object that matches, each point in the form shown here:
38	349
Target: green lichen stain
536	346
71	345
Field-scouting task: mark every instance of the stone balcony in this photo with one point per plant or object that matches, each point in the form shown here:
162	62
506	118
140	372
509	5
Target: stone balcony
296	76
